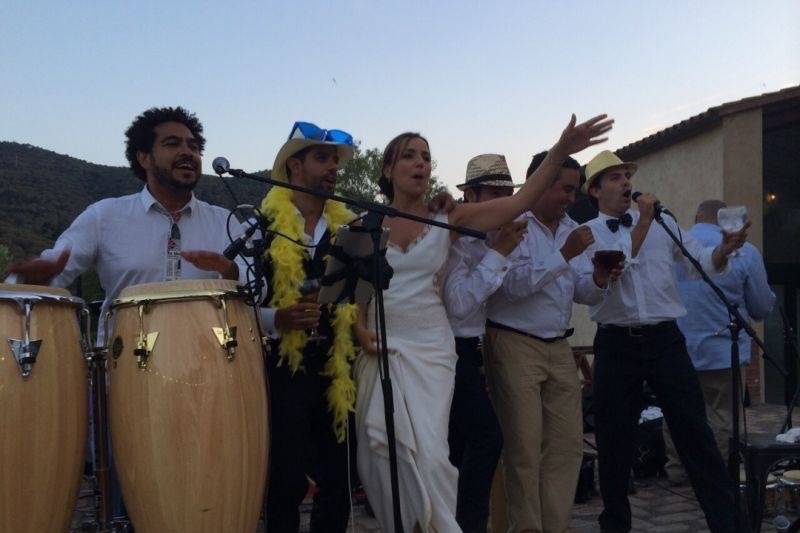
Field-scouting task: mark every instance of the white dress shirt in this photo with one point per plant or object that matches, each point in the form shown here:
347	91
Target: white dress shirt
537	293
268	313
124	240
474	272
647	291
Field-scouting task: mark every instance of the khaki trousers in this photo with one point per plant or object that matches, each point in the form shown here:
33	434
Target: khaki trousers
718	395
536	394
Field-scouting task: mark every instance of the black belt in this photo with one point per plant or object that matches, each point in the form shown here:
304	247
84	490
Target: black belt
567	334
639	331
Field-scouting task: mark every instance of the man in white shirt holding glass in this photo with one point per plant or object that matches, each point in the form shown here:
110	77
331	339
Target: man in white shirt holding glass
529	363
638	340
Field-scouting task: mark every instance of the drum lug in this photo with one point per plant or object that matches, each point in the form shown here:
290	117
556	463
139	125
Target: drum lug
227	339
25	350
226	335
144	346
145	342
25	353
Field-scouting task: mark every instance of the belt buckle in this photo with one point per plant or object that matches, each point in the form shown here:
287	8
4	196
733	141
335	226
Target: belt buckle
636	332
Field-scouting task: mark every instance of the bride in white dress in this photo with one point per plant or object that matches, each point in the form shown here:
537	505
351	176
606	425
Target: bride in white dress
422	357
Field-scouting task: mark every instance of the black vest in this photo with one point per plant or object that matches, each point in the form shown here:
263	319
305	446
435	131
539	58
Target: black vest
314	264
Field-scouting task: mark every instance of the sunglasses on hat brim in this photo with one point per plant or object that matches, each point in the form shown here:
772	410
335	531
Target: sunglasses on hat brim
312	132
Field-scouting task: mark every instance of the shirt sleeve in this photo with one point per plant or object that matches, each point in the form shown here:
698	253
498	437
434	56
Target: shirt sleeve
466	288
759	298
268	322
703	254
528	275
82	239
587	291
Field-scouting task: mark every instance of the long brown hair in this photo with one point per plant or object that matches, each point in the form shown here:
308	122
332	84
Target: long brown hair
390	153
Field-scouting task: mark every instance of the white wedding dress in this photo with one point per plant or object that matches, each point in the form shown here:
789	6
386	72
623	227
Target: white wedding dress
422	362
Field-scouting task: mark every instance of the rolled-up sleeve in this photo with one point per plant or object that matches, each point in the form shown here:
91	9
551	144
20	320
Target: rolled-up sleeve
703	254
466	288
528	275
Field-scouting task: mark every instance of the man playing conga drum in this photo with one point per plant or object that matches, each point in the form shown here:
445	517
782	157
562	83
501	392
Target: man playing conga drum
142	237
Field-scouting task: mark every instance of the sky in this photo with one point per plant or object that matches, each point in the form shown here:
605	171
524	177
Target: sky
473	77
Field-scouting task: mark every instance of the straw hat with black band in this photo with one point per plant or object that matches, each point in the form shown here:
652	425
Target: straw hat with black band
602	162
488	170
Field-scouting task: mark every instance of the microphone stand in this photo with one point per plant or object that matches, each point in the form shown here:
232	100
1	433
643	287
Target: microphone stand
789	354
736	325
373	223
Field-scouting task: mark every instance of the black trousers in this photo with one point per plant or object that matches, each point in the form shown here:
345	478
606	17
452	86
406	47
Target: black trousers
657	355
475	438
303	444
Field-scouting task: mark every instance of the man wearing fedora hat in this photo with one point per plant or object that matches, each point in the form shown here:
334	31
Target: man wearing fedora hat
308	426
475	271
529	363
638	340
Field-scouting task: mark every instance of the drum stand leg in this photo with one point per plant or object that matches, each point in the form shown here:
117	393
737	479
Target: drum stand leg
101	441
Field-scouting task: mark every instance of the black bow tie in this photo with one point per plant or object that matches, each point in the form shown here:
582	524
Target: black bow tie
613	223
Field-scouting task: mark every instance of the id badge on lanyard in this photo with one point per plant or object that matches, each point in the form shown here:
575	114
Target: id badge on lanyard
173	270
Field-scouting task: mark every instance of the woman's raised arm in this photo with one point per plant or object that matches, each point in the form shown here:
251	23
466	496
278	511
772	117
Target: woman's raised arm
492	214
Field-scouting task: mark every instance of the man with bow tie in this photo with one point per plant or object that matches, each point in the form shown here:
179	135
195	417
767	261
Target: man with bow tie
638	340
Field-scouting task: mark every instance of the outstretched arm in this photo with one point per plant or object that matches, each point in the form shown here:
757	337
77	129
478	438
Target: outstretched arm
492	214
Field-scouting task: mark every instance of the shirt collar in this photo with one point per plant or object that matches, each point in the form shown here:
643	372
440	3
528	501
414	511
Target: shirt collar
565	221
149	202
602	217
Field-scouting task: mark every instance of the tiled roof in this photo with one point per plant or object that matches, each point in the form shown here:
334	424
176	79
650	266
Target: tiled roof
699	123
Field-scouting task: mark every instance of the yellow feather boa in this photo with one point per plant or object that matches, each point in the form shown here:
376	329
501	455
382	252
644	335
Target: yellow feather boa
287	264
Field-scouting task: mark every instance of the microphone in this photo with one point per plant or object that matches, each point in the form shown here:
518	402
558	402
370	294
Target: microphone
236	247
657	206
220	166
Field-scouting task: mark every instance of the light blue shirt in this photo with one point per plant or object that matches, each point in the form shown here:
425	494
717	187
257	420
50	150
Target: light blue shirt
705	324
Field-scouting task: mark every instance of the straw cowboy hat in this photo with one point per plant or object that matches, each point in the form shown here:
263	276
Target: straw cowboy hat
603	161
488	169
305	134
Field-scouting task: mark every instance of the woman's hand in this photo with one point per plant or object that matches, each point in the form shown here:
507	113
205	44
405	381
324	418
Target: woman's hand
577	137
367	340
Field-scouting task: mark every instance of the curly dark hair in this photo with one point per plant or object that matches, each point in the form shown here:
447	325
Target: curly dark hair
390	153
141	134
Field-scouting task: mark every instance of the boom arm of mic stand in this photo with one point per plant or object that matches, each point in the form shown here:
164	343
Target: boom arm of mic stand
384	210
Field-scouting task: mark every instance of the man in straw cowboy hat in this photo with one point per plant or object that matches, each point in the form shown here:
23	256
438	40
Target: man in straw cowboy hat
311	391
475	271
529	363
638	340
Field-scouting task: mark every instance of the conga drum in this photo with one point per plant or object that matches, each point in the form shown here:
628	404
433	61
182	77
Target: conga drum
188	407
43	408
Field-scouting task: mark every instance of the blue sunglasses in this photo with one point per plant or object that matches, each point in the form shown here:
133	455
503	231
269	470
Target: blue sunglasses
309	131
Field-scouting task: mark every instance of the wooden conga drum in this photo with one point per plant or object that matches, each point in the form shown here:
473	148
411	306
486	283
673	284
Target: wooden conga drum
43	408
188	407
